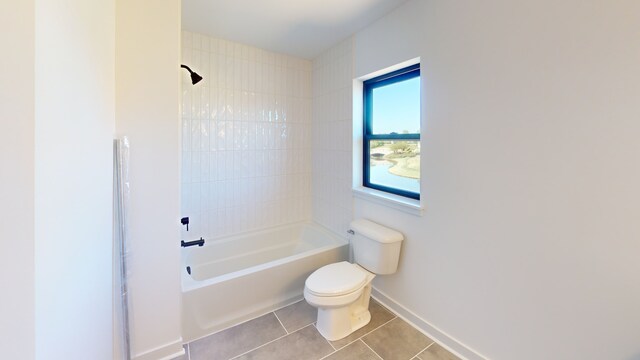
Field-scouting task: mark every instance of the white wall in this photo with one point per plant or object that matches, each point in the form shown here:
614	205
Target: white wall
58	109
246	145
17	328
331	137
147	93
528	247
74	125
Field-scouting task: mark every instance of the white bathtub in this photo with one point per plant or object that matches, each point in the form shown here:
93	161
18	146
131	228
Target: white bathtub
241	277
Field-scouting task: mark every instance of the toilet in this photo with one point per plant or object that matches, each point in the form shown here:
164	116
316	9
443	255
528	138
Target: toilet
341	290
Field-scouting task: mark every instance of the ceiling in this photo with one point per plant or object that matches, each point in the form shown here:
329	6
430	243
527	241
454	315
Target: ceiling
303	28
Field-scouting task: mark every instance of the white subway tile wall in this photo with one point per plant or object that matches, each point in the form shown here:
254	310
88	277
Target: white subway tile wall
246	138
332	128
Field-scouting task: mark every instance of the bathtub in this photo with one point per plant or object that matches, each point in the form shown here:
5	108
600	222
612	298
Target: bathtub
238	278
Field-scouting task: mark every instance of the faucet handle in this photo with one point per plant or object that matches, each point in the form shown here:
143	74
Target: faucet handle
185	221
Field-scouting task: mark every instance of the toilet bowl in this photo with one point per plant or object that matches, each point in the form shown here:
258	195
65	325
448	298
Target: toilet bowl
341	292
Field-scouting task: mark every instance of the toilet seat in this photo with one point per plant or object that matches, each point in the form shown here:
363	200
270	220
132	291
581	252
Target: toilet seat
336	280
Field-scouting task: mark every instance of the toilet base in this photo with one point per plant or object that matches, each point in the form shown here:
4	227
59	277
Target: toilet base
335	323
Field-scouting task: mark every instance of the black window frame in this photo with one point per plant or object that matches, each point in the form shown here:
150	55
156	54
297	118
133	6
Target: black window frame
403	74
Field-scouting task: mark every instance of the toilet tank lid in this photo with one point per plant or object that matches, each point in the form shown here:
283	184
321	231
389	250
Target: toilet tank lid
376	231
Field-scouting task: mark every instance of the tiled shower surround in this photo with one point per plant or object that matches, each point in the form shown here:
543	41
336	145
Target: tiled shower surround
266	138
332	133
246	144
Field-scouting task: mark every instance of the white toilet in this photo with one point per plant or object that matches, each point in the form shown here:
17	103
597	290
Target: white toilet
341	290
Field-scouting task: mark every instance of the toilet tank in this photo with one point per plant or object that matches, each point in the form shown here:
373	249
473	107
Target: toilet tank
376	247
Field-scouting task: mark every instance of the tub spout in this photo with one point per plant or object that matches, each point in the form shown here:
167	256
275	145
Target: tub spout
192	243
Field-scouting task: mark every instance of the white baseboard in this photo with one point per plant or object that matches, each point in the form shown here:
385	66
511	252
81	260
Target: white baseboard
167	351
439	336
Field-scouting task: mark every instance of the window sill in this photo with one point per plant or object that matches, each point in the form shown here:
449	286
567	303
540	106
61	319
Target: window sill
401	203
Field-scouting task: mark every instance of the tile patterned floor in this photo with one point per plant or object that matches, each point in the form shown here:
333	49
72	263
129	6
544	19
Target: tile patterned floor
290	334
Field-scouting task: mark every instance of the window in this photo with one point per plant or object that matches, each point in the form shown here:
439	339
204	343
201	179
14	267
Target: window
391	154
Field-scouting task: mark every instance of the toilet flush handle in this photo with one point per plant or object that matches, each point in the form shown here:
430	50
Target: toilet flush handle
351	232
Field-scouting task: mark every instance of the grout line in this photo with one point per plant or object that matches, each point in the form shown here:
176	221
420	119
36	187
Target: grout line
330	344
326	356
301	327
313	324
304	326
243	322
281	324
367	345
452	345
423	350
385	308
334	348
363	335
267	343
331	353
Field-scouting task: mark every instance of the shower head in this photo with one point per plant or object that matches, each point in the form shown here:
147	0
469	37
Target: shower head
195	78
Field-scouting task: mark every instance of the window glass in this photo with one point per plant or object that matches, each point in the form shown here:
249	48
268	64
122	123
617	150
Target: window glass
392	132
395	164
396	108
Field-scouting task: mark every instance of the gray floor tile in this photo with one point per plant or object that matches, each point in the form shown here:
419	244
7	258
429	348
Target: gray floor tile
437	352
238	339
297	316
379	316
304	344
397	340
355	351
